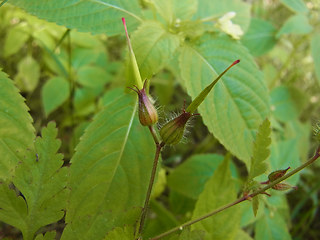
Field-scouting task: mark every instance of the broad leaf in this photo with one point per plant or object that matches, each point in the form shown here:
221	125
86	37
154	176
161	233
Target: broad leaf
238	103
242	235
190	177
260	150
16	130
120	234
28	74
297	6
297	24
16	37
54	93
42	183
47	236
96	16
217	8
110	171
260	37
153	47
219	190
315	52
173	10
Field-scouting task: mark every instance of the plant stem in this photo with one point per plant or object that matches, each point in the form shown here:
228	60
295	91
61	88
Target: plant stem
154	135
260	191
152	177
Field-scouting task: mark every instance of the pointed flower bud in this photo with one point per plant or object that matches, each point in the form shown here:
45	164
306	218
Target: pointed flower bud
283	187
277	174
147	112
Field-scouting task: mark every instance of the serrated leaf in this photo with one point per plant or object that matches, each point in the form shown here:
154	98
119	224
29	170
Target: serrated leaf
218	8
238	103
16	130
95	16
153	46
47	236
260	150
42	183
120	234
54	93
110	171
315	52
271	227
297	6
297	24
260	37
28	74
190	177
171	10
218	191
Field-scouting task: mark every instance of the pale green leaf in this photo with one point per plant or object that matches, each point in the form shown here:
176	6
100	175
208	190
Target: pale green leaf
271	227
42	182
260	37
217	9
153	47
297	24
173	10
218	191
96	16
260	150
190	177
120	234
47	236
297	6
92	76
238	103
16	130
16	37
110	171
315	52
28	74
54	93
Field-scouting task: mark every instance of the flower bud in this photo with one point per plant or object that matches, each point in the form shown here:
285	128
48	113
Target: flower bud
173	131
277	174
147	112
283	187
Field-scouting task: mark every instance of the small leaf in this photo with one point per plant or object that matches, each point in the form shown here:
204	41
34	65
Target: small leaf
92	76
28	74
255	205
153	46
260	37
297	24
219	190
297	6
16	37
54	93
16	130
315	52
260	150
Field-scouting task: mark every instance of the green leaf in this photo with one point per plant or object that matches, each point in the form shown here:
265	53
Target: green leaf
315	52
95	16
42	183
271	227
238	103
219	190
92	76
16	130
153	47
190	177
260	37
110	171
28	74
255	205
171	10
47	236
16	37
297	24
297	6
242	235
260	150
218	8
54	93
120	234
186	234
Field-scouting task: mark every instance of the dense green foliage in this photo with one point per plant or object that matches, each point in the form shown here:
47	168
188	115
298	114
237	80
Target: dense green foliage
67	61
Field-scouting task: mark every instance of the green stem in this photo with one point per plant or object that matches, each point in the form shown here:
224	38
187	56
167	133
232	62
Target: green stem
260	191
3	2
154	135
151	182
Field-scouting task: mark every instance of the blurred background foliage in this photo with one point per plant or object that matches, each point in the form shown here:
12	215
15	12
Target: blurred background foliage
64	76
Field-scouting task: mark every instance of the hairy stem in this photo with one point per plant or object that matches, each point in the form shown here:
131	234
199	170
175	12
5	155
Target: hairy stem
151	182
260	191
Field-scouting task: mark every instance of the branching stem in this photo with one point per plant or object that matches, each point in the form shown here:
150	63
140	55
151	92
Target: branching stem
250	196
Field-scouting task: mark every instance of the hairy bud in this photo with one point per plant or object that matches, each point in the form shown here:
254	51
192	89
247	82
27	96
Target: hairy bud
277	174
283	187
